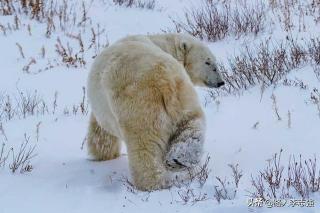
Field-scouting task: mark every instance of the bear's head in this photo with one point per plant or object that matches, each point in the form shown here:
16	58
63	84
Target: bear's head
198	61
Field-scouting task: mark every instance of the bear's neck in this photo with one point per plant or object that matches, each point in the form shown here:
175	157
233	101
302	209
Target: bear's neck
167	44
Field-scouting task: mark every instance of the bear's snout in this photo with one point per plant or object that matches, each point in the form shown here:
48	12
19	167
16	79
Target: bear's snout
213	84
220	84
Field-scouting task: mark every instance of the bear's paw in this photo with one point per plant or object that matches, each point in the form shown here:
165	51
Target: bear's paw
184	154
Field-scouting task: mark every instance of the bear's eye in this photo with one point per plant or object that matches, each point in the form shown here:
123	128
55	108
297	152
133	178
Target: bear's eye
207	63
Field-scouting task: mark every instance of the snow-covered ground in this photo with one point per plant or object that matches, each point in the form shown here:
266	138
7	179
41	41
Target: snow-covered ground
242	129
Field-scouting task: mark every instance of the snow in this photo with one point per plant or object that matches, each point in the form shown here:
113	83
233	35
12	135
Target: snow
65	179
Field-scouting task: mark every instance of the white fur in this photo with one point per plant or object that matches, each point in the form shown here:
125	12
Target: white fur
141	91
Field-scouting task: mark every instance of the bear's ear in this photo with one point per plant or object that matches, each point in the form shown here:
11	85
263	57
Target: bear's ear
184	46
182	49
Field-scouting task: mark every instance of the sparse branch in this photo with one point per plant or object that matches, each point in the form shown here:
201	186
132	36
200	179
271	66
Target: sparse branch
21	159
275	106
302	178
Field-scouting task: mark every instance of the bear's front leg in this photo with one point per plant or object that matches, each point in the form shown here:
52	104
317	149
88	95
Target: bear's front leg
186	143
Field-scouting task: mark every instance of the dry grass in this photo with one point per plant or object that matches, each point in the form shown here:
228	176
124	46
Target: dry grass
275	107
192	196
20	159
226	189
190	192
26	104
3	155
302	178
22	105
203	172
67	55
314	50
143	4
214	20
295	83
3	133
315	99
62	18
267	64
292	14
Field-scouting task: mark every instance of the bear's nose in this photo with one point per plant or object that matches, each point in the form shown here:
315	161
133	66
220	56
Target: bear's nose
220	84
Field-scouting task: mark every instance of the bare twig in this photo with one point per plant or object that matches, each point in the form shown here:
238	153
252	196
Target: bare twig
275	107
21	159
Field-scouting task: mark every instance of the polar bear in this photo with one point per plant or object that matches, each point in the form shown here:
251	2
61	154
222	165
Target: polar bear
141	91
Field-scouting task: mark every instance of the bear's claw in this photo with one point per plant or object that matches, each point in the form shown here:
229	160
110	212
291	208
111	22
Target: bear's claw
175	164
183	155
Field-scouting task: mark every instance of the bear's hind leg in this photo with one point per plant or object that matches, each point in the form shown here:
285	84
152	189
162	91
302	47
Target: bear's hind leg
101	145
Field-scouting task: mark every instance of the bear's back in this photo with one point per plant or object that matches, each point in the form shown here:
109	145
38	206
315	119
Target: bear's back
126	68
130	60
